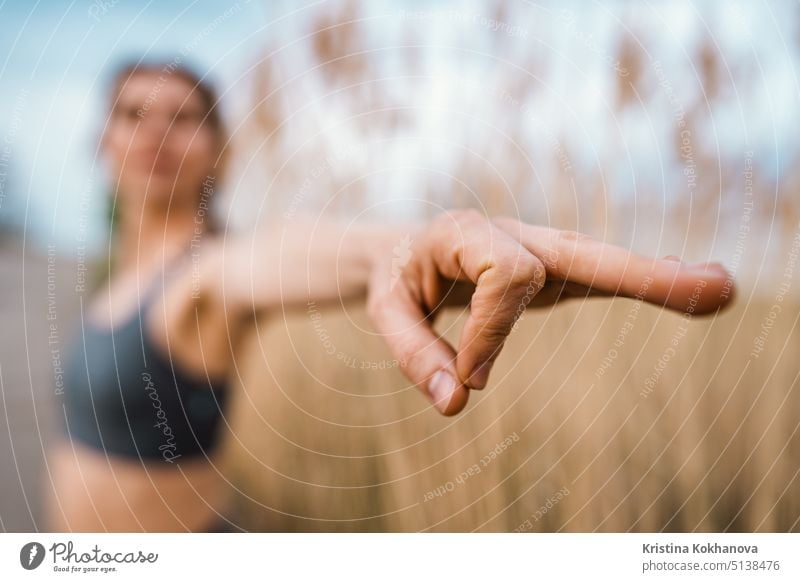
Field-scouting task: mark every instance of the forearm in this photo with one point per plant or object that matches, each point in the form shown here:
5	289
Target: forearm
293	263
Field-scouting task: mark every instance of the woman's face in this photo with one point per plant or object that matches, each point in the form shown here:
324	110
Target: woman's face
158	147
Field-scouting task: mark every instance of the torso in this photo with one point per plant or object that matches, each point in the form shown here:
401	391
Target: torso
95	491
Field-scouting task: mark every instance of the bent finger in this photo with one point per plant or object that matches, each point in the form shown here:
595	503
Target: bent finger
425	358
506	276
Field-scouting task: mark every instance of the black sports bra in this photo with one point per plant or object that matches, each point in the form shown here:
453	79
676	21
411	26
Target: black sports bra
123	395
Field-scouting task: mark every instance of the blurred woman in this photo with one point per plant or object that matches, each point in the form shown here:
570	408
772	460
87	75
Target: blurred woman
148	376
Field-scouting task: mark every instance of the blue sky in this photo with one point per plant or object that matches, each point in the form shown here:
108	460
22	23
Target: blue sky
55	61
55	56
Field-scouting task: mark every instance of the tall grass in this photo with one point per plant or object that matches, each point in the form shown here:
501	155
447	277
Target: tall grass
435	109
713	445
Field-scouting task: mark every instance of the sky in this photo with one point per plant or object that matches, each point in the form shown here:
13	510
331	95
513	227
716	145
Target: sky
55	61
55	58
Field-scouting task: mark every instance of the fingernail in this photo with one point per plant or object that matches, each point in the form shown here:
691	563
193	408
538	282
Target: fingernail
673	258
441	387
480	375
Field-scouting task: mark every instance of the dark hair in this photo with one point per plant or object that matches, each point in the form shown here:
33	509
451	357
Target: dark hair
174	68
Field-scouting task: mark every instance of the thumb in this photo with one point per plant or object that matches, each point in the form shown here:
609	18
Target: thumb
424	357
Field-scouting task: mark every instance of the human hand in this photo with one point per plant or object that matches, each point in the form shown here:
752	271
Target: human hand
499	267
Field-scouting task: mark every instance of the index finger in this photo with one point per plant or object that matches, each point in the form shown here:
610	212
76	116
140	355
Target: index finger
506	276
574	257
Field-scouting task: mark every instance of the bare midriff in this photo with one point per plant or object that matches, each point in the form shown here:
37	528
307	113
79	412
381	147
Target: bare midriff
88	490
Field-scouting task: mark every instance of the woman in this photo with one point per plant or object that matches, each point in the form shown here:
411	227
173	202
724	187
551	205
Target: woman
148	377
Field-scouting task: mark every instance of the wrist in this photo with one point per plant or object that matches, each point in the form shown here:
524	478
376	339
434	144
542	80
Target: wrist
389	248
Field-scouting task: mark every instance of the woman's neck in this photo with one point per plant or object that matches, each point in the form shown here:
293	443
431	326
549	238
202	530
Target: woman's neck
153	235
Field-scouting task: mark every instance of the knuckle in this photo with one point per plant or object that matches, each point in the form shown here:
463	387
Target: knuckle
472	215
502	221
572	236
526	270
494	331
465	216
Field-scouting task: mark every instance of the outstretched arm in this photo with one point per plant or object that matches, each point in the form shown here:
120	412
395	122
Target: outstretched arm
408	273
290	263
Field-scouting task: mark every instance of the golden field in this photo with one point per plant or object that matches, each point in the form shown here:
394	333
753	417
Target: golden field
322	445
657	135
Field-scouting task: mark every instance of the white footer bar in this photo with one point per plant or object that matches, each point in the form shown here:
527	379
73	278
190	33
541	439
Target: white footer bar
406	557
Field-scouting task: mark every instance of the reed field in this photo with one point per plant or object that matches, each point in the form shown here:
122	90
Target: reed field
601	415
667	128
321	444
